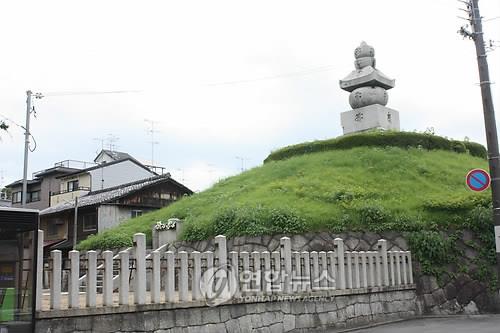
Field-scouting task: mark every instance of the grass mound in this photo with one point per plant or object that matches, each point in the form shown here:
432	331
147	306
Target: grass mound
362	188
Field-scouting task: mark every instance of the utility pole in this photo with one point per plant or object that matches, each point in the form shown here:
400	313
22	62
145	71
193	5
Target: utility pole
29	107
489	113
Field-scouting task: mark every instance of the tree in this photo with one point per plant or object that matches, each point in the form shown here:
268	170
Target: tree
3	125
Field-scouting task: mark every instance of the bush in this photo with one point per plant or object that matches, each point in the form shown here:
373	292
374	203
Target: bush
405	140
457	204
432	250
254	221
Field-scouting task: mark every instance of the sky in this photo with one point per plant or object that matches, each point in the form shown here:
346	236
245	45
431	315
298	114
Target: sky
226	82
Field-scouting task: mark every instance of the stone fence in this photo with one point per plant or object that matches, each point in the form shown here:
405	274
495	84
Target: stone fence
133	277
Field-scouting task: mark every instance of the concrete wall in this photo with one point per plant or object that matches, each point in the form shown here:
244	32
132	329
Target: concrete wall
109	216
329	309
117	174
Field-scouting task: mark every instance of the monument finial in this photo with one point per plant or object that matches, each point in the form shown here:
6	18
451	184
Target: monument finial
368	87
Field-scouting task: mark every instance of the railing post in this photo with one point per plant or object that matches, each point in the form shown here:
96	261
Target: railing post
332	276
55	283
196	275
73	292
410	268
297	274
339	242
91	281
124	277
364	269
286	255
246	274
39	271
399	257
170	277
140	268
235	279
221	270
107	288
323	275
267	277
382	244
314	270
183	276
371	269
357	280
155	277
221	250
307	282
257	271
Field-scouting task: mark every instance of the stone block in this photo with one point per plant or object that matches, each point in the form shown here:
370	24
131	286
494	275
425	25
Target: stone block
439	296
288	323
305	321
276	328
166	319
233	325
373	116
209	316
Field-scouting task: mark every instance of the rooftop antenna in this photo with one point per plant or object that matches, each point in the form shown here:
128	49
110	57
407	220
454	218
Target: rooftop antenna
111	140
151	130
242	159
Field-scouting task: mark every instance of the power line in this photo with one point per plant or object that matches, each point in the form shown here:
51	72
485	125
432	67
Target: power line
76	93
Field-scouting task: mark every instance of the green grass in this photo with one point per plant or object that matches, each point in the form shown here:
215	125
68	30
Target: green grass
363	188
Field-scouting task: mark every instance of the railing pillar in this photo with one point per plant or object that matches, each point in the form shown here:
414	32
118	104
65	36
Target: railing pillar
107	287
55	283
267	277
170	277
183	276
39	271
155	277
140	268
314	270
286	255
73	292
91	280
382	245
332	276
339	242
124	277
307	282
196	275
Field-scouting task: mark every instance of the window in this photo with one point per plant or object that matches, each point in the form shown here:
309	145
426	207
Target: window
90	222
34	196
52	229
72	185
135	213
17	197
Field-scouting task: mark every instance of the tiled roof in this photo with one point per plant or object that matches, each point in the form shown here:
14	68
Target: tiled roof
116	155
106	195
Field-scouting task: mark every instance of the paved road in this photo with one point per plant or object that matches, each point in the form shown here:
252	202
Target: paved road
473	324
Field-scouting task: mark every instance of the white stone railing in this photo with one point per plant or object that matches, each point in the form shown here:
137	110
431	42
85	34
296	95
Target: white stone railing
218	276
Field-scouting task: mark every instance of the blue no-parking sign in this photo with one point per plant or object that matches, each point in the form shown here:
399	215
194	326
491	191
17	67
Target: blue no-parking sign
478	180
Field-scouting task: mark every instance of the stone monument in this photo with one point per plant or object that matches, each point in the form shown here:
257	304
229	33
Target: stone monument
368	87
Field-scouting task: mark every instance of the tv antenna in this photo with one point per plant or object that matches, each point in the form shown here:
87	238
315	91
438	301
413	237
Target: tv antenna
152	131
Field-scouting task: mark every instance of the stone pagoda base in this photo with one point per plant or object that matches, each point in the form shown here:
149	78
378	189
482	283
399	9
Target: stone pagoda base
369	117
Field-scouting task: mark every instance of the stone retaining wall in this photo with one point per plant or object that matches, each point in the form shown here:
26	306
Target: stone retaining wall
336	309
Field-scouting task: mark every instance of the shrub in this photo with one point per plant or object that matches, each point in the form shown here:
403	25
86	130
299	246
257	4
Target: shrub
432	250
405	140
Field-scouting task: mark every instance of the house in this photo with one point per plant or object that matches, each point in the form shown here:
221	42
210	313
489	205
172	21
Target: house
105	175
101	209
43	184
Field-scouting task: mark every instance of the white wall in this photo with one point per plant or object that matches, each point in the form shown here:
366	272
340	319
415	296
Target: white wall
109	216
117	174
